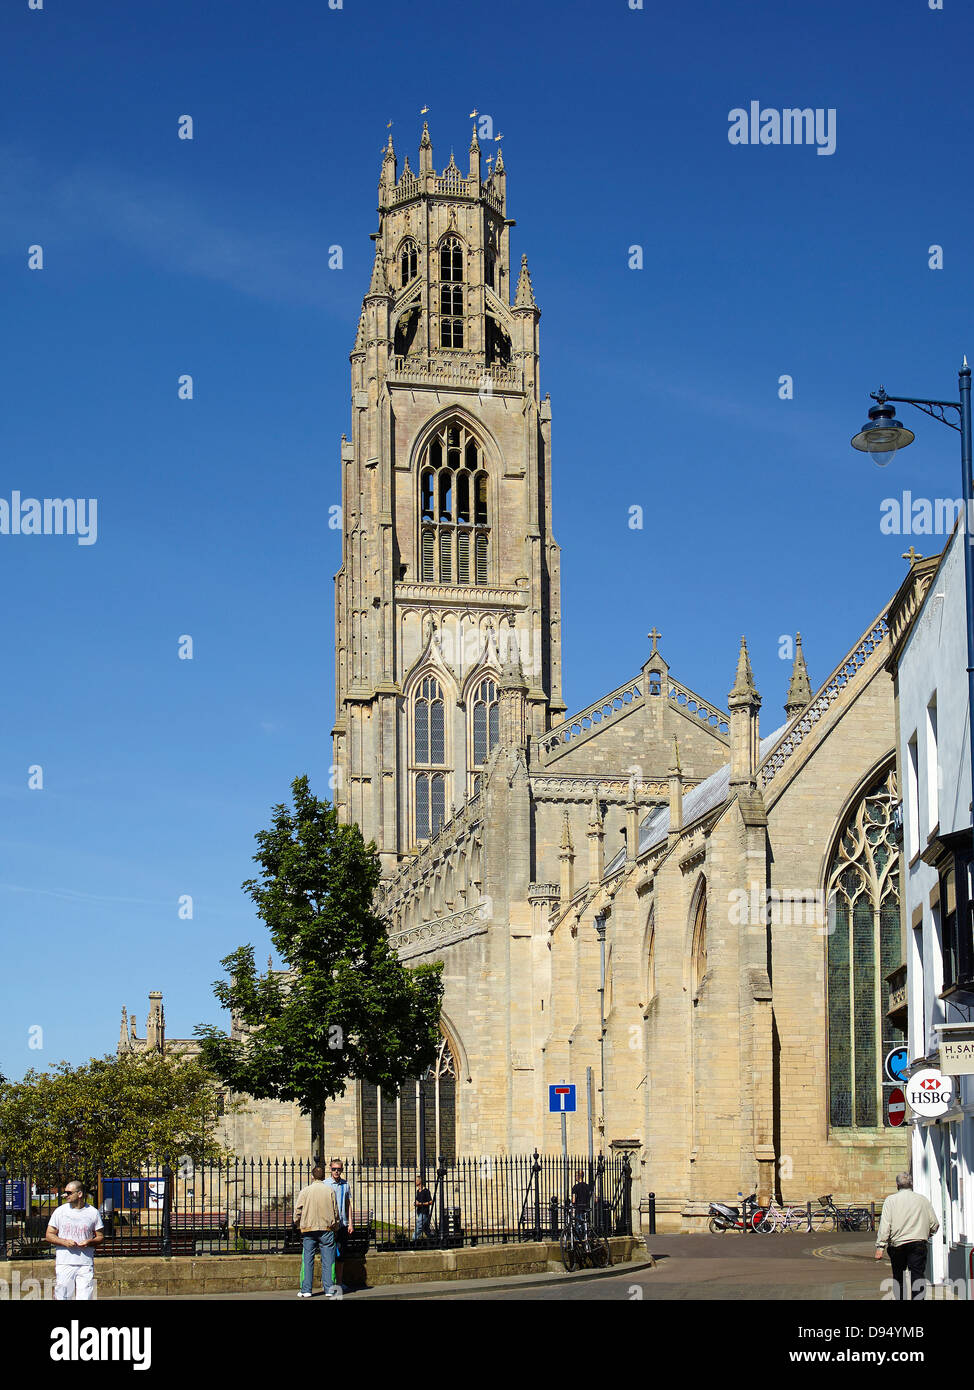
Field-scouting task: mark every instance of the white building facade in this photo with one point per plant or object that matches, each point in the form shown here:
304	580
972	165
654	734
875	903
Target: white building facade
929	664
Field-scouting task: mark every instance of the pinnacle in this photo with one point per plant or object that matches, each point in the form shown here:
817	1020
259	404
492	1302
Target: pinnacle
378	284
744	681
525	292
799	688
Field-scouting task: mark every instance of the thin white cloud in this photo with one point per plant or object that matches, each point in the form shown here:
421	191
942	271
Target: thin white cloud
169	228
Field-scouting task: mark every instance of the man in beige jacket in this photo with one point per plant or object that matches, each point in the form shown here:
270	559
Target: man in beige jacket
906	1225
316	1212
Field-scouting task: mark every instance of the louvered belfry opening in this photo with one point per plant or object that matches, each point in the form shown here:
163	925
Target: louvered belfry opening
455	532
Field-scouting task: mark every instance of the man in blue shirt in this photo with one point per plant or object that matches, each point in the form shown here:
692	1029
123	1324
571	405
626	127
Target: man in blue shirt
343	1197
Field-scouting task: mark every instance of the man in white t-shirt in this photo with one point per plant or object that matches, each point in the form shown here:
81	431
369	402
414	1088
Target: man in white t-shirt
75	1229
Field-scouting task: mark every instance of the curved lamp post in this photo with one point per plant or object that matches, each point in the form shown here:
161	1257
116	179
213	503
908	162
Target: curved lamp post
882	435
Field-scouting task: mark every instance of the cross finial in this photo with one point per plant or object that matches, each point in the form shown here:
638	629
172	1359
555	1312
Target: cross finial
655	635
911	555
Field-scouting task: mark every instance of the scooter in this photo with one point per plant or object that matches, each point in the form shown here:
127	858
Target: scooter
727	1218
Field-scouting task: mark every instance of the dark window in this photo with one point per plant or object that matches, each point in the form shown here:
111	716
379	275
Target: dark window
454	496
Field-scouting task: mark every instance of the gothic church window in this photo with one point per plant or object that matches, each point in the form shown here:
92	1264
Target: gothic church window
451	293
483	727
863	893
699	956
454	532
392	1123
408	261
429	753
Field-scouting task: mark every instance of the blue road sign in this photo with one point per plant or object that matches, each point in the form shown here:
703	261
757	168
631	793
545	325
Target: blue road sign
561	1098
898	1064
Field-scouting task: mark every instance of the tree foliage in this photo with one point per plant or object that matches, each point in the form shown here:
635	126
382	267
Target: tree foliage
114	1113
346	1008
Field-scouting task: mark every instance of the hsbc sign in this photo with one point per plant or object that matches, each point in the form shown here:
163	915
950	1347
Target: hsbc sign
929	1092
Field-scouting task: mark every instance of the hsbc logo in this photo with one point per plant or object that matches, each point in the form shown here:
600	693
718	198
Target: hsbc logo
929	1092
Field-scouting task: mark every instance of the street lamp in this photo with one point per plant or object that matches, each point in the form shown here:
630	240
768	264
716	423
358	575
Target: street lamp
883	434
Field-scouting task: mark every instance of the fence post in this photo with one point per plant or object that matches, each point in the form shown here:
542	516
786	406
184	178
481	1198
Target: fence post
626	1196
651	1197
535	1174
3	1208
441	1174
166	1215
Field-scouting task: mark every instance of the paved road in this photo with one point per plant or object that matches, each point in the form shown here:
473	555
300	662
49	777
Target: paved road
787	1267
724	1267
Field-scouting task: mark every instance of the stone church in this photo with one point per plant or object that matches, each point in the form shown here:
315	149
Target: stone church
649	888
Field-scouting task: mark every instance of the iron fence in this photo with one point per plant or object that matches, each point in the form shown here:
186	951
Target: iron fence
244	1206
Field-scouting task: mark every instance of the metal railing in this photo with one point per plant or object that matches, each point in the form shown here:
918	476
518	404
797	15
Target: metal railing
246	1206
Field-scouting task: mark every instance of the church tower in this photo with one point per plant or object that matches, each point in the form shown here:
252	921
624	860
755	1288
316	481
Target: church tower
448	556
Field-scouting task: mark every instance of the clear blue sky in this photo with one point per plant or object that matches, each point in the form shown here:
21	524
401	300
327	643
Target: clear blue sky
209	257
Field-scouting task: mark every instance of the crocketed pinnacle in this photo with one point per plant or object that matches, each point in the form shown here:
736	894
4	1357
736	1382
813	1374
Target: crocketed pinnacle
499	166
595	813
474	145
525	292
744	687
799	688
378	285
566	835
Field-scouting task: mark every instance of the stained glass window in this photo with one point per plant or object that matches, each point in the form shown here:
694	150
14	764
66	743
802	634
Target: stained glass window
863	948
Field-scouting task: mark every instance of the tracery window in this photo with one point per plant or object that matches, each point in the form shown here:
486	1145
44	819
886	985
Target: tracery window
451	293
484	714
863	891
391	1122
429	753
699	958
454	532
408	263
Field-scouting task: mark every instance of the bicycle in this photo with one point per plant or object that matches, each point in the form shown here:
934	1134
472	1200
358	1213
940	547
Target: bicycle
842	1218
580	1244
777	1219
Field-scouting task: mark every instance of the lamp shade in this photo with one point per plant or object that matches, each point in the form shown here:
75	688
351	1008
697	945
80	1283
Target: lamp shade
882	434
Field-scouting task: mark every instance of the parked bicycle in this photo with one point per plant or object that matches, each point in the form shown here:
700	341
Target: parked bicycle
581	1245
777	1218
833	1218
747	1217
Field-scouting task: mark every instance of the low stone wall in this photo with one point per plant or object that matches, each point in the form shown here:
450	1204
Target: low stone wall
129	1277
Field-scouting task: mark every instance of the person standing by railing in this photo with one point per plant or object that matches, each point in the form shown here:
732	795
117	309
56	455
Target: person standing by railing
75	1229
343	1199
316	1213
424	1205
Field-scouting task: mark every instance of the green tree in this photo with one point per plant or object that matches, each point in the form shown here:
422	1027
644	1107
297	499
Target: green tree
346	1008
114	1113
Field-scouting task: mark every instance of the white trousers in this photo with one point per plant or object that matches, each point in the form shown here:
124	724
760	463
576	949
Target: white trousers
75	1281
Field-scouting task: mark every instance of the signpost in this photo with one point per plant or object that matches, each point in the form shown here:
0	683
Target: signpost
896	1106
561	1101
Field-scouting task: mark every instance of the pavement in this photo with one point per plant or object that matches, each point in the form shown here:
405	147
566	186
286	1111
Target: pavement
731	1266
